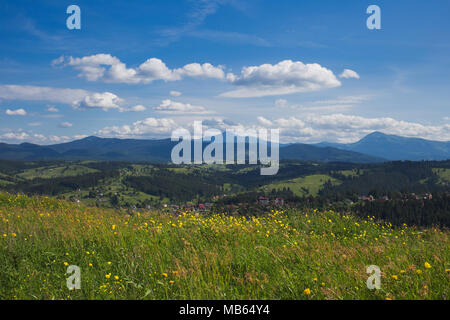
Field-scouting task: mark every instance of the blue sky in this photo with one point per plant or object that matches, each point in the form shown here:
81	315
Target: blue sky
141	69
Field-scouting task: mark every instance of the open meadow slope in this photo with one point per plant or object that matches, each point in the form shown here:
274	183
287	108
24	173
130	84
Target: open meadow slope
150	255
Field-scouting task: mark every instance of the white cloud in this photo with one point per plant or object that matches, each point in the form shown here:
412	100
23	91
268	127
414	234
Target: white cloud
285	77
138	108
17	112
265	122
20	136
52	109
148	126
350	128
173	107
80	136
65	125
349	74
205	70
175	93
77	98
36	93
110	69
105	101
37	138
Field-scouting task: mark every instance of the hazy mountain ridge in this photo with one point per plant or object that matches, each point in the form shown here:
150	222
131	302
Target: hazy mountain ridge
375	147
394	147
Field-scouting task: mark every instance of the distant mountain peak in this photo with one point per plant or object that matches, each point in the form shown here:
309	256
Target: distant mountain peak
393	147
376	134
91	138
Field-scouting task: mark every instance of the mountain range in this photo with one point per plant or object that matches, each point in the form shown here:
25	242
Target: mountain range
376	147
392	147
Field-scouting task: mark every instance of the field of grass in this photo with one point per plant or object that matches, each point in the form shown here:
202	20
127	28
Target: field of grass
5	179
55	171
444	174
281	255
313	183
351	173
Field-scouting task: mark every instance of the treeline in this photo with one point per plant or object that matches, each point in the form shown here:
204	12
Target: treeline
175	186
12	166
55	186
432	212
400	176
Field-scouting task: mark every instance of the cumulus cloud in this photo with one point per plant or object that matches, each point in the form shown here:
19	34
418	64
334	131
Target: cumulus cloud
163	127
138	108
21	136
285	77
175	93
173	107
77	98
52	109
80	136
17	112
265	122
349	74
65	125
105	101
350	128
107	68
148	126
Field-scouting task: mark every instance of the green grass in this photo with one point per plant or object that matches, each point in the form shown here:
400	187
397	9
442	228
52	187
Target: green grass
444	175
312	182
156	256
4	182
55	171
351	173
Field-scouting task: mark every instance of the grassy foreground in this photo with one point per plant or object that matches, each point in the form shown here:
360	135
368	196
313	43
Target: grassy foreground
282	255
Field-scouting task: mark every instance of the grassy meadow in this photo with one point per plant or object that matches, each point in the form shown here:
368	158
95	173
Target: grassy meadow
303	186
150	255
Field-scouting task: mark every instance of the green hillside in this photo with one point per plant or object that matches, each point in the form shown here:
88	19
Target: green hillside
149	255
